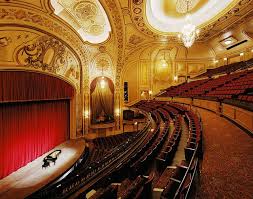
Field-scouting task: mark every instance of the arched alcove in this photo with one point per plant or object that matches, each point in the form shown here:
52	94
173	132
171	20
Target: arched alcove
102	100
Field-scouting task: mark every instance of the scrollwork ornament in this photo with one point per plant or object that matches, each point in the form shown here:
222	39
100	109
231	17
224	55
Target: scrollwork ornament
46	53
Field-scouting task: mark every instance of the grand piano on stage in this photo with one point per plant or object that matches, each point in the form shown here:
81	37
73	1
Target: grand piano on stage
52	157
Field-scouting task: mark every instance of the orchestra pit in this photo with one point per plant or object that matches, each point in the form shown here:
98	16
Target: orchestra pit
126	99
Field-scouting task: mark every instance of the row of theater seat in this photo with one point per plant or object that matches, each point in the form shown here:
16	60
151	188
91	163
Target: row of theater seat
226	69
110	141
79	177
178	176
170	146
135	188
230	86
150	145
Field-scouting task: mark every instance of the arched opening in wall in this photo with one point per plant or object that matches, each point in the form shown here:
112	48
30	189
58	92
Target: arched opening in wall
102	100
34	117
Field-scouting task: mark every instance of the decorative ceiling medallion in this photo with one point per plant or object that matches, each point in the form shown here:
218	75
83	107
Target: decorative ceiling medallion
87	17
102	66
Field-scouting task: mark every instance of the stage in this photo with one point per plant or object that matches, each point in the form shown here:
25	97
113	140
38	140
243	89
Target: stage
32	177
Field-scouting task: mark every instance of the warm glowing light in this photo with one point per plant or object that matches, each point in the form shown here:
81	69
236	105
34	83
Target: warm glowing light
227	42
142	93
86	114
225	59
150	92
252	50
164	63
216	61
135	123
102	82
175	78
241	54
117	112
189	32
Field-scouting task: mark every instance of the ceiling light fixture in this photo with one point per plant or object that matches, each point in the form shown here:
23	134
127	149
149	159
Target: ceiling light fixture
228	42
163	61
102	81
189	33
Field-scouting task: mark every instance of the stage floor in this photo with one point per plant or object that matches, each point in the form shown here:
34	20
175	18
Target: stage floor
32	177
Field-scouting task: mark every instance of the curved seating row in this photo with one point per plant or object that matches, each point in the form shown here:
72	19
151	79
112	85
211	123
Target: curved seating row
237	86
170	146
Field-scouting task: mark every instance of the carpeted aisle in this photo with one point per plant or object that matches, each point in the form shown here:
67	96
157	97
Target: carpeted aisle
227	167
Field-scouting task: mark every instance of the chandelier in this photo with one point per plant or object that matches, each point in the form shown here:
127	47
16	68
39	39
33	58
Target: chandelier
102	80
164	63
189	33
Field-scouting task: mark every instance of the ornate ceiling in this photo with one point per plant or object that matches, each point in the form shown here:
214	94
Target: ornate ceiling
159	19
87	17
169	16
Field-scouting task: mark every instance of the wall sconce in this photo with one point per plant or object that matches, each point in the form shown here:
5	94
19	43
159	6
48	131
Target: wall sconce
150	92
241	54
216	61
117	112
175	78
225	59
252	50
86	114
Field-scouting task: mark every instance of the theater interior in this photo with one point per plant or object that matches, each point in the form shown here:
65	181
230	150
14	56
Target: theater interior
127	99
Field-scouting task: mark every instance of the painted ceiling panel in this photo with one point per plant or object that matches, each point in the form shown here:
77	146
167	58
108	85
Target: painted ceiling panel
87	17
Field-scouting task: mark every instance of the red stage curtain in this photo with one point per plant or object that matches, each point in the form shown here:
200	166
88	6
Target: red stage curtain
28	86
28	130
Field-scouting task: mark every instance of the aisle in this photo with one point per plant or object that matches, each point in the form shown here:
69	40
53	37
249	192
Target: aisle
227	167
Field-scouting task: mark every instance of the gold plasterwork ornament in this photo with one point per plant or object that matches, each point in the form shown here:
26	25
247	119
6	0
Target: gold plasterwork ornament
87	17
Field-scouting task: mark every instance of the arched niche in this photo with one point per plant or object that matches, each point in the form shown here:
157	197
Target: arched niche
102	100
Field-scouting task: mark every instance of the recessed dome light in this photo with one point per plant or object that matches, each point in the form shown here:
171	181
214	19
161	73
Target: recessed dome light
227	42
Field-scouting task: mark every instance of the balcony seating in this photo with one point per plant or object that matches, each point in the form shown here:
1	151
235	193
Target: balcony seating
236	86
226	69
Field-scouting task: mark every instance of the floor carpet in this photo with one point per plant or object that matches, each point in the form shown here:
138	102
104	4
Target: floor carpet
227	167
